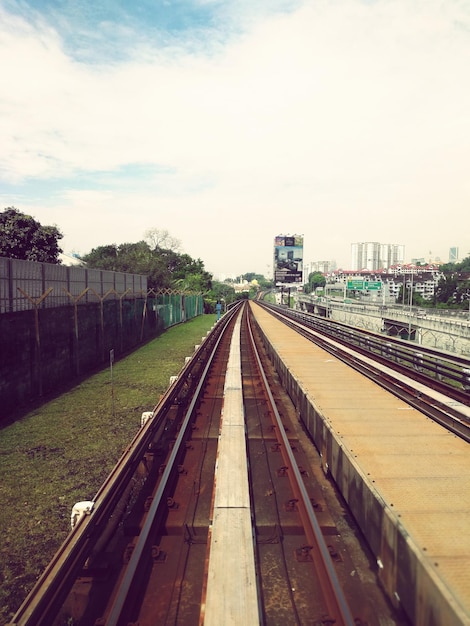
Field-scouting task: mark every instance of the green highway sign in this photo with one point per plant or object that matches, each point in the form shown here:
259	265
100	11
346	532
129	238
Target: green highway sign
373	285
355	284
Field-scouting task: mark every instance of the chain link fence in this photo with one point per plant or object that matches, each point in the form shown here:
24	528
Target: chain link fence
59	323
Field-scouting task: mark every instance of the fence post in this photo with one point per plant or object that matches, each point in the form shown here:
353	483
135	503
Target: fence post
10	286
36	303
121	297
76	348
144	317
102	299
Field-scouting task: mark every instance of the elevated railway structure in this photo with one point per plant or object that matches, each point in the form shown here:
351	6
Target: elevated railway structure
444	330
223	511
405	477
442	371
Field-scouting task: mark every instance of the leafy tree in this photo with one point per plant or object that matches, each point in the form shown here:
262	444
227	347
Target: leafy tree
416	298
102	257
261	281
251	276
450	268
220	292
264	283
22	237
315	279
464	266
164	268
180	266
223	291
453	288
134	258
446	289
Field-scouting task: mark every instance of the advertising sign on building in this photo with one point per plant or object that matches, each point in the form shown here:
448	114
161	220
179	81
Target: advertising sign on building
288	258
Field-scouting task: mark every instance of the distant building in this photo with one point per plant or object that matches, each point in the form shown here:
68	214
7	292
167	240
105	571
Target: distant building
453	255
374	255
241	287
319	266
70	259
391	254
422	279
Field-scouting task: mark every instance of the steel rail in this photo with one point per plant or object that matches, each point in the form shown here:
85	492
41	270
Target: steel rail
444	410
129	579
322	321
59	575
430	366
53	585
332	590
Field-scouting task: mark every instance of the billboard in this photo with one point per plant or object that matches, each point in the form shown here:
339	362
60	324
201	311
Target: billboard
288	258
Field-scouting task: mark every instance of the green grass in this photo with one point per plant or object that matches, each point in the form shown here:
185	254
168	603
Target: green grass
62	452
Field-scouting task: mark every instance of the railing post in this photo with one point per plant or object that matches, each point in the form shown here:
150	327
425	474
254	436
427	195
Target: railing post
36	302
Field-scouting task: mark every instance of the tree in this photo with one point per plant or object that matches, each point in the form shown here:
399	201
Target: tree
416	298
220	292
446	289
450	268
253	277
164	268
315	279
22	237
132	258
161	238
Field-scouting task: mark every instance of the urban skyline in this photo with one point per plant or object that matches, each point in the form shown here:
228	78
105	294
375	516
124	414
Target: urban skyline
381	256
221	122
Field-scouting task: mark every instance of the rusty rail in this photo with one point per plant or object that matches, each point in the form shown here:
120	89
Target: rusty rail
51	589
444	407
332	590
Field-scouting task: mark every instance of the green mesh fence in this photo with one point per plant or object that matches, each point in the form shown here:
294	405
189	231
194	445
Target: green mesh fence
174	308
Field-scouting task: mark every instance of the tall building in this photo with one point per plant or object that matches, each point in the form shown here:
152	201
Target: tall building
365	255
319	266
453	255
374	255
392	254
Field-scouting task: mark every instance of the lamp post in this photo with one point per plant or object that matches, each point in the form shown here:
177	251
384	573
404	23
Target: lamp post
411	302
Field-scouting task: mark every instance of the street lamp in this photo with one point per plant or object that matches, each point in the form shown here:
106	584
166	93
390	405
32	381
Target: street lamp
411	302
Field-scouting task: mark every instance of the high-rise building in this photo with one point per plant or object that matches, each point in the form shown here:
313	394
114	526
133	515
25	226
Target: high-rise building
365	255
374	255
391	254
453	255
319	266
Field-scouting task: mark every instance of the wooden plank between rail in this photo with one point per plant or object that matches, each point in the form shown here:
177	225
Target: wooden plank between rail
231	590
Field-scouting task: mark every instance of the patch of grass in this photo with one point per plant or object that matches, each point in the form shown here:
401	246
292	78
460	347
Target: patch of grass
62	452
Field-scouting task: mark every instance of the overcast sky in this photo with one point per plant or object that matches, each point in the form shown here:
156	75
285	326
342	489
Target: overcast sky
227	122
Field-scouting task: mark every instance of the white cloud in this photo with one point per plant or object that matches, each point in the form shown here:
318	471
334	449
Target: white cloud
341	117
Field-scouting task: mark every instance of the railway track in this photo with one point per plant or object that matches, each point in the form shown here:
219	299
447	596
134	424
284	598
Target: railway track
445	372
435	383
103	529
140	552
